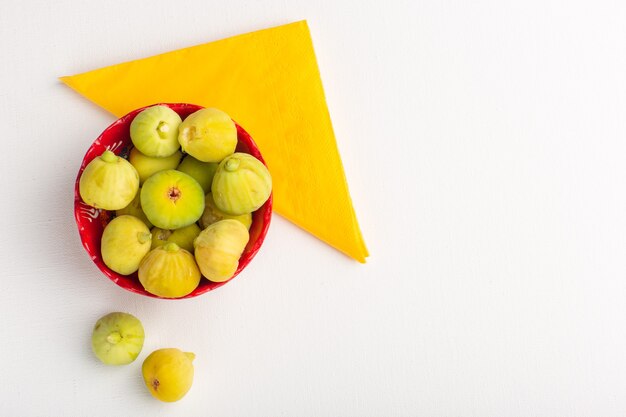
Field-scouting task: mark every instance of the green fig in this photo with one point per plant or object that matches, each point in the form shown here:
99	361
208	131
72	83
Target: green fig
219	247
202	172
183	237
168	373
172	199
108	182
209	135
241	184
117	338
134	209
154	131
125	241
148	165
169	272
212	214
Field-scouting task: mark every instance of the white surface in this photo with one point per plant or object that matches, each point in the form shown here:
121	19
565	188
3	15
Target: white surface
484	143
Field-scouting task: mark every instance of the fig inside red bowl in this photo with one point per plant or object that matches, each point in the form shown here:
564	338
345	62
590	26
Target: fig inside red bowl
92	221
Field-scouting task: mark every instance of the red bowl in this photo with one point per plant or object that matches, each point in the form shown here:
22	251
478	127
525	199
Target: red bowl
91	221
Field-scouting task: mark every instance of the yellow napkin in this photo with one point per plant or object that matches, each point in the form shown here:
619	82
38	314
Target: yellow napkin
269	82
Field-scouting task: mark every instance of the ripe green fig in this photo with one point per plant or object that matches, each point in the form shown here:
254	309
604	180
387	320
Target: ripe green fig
183	237
212	214
168	373
148	165
134	209
169	272
108	182
241	184
117	338
124	243
154	131
172	199
202	172
219	247
209	135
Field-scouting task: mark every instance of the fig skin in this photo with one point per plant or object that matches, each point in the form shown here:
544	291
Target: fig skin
154	131
124	243
169	272
134	209
108	182
183	237
212	214
241	184
203	172
117	338
146	166
219	247
172	199
209	135
168	373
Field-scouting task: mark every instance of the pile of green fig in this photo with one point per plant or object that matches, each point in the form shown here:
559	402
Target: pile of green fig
183	200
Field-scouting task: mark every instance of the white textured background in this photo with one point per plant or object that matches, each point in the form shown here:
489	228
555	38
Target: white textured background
485	147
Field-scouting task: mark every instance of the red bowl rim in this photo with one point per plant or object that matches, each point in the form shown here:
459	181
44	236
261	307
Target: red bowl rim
247	256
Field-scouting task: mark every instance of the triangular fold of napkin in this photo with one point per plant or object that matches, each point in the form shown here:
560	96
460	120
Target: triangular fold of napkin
269	82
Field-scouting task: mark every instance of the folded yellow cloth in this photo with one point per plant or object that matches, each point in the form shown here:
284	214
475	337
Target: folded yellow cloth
269	82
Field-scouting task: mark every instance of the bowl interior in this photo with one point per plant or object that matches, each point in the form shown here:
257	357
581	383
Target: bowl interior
91	221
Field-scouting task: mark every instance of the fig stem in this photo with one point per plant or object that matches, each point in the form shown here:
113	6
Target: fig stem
232	164
143	237
171	247
162	129
114	337
108	156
